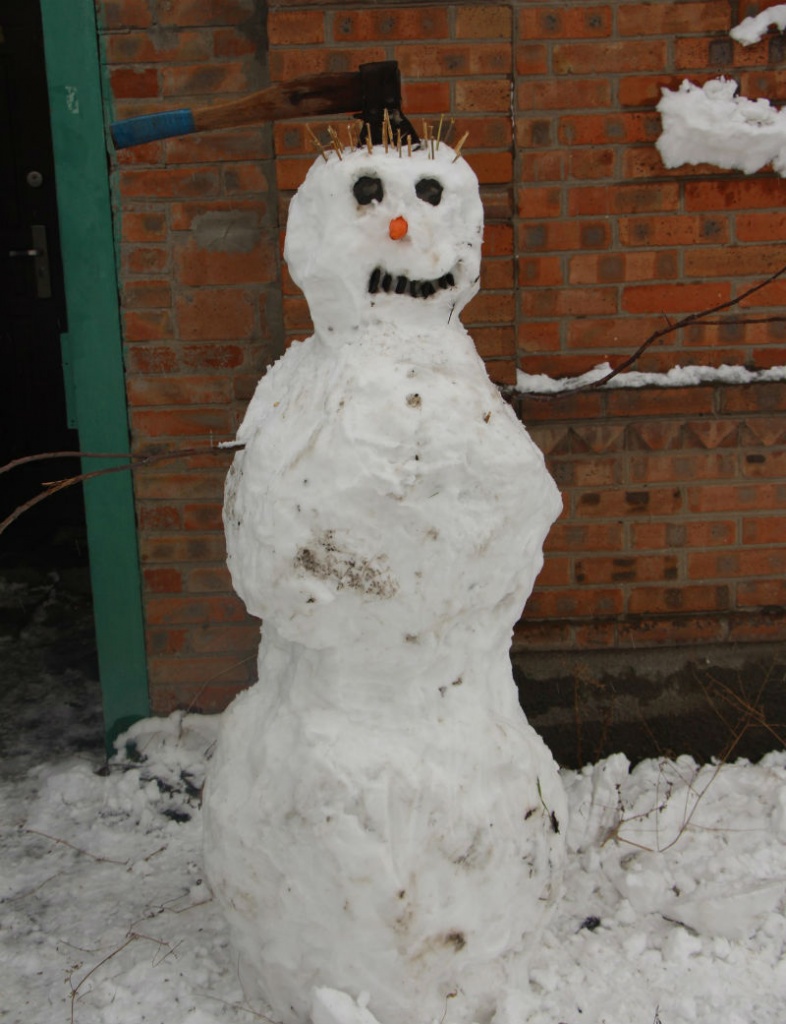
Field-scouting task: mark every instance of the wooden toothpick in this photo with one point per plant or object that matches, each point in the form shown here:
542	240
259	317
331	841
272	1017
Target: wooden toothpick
459	144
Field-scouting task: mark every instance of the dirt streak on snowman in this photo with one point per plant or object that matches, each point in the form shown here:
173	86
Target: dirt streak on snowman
380	817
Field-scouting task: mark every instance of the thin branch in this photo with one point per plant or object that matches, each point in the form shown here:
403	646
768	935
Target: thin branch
64	842
684	322
134	462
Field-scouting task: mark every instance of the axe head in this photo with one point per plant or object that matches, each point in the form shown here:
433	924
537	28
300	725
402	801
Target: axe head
380	84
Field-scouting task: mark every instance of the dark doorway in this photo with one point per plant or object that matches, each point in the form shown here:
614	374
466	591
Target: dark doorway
33	414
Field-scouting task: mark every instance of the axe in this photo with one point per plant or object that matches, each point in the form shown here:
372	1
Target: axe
367	93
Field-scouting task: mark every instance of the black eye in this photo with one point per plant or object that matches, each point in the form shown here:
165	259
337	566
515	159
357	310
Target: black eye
367	189
429	190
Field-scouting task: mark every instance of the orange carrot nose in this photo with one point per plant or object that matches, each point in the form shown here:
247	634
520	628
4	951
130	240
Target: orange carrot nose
398	228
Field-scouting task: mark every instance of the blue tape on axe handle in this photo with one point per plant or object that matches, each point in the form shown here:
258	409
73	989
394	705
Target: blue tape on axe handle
149	127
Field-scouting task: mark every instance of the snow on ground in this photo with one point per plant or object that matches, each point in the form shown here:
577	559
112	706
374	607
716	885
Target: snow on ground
673	906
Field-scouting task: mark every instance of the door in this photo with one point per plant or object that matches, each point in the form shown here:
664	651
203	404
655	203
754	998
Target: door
33	414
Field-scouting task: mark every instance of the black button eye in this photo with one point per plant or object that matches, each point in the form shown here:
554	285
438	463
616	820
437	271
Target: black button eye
367	189
429	190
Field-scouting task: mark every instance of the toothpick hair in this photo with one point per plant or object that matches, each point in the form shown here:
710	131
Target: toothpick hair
358	132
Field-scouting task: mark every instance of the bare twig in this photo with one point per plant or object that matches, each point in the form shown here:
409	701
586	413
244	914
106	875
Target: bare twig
684	322
64	842
133	462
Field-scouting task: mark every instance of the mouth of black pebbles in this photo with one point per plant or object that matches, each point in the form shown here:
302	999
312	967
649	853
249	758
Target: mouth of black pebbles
399	284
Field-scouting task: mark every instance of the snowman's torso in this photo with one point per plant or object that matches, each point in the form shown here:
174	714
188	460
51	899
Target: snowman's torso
380	816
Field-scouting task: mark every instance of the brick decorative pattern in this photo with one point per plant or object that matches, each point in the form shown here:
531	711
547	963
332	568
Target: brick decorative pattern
672	531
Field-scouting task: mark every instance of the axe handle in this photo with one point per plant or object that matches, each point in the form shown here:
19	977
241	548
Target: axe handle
330	93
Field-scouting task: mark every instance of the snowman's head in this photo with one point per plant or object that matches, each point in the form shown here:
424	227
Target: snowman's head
380	237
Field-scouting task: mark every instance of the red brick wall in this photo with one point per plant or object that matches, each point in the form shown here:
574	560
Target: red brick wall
672	532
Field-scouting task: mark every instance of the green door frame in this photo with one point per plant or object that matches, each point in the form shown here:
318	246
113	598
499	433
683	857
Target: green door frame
93	355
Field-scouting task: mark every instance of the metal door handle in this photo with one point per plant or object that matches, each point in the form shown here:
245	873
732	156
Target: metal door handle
38	252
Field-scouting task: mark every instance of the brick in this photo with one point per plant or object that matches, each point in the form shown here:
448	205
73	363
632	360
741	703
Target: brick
659	402
595	200
651	501
144	358
483	21
674	298
159	517
145	226
133	83
203	516
760	227
124	14
286	64
660	600
608	267
182	13
145	259
491	168
606	58
219	147
196	670
496	275
568	302
670	632
244	178
746	497
764	529
432	98
163	485
556	94
545	271
729	564
208	579
190	422
761	594
552	21
683	534
587	164
662	468
583	537
206	639
573	603
299	28
732	260
147	324
168	183
764	464
154	294
166	641
213	357
209	698
626	569
196	266
532	59
215	313
193	610
180	390
234	42
453	59
550	236
610	333
162	580
155	47
429	22
758	628
673	229
760	192
209	79
490	308
762	398
671	19
611	128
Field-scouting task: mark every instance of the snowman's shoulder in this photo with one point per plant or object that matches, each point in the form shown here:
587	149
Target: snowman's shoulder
275	384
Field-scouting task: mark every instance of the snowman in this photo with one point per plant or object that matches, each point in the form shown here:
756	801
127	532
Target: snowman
383	828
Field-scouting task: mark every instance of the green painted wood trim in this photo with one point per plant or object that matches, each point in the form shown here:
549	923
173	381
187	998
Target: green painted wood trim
95	352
